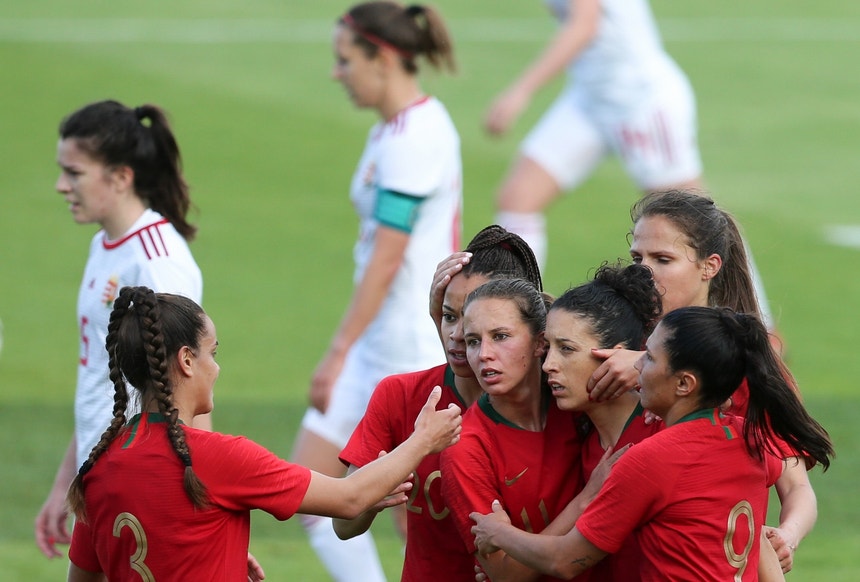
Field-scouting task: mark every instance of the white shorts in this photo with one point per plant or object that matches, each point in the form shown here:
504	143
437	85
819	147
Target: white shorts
655	140
348	401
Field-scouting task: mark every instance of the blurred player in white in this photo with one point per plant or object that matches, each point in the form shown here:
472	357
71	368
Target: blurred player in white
120	168
625	96
408	195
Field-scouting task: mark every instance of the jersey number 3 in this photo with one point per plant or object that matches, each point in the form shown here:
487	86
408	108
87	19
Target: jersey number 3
136	560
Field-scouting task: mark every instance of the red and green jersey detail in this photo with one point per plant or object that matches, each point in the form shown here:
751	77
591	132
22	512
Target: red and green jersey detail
433	548
533	474
623	565
141	524
694	497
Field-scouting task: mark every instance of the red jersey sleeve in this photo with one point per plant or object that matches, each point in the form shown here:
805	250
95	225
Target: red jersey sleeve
242	475
82	553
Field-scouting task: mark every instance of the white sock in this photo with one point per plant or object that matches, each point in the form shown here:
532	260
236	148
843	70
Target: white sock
353	560
531	227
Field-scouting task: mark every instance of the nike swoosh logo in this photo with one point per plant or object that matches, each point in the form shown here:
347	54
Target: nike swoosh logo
510	482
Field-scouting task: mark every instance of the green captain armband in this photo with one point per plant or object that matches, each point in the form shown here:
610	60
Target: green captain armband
396	210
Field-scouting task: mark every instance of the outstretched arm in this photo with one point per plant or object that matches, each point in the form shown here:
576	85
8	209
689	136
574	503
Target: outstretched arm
349	496
559	556
574	34
349	528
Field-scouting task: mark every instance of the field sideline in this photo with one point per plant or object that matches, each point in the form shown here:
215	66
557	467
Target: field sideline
270	142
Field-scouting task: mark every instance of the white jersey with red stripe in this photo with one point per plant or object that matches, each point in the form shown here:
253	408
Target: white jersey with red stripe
151	253
417	154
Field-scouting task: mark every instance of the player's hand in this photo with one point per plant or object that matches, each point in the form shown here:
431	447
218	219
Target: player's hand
782	545
398	495
487	526
650	417
441	428
255	570
505	110
322	382
601	471
50	526
615	376
445	271
480	575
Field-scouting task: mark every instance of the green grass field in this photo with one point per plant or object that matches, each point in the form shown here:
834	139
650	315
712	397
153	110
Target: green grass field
270	143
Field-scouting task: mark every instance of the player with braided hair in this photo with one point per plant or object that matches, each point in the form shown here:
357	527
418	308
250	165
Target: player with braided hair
120	168
433	547
159	499
407	191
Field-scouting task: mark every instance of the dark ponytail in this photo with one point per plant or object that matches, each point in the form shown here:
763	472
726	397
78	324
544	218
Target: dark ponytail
722	347
141	139
410	31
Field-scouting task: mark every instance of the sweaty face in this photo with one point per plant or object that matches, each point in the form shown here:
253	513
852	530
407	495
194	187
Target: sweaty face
85	184
680	277
500	346
657	382
569	362
451	327
361	76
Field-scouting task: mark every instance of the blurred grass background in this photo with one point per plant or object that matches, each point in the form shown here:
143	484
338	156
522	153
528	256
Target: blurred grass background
270	142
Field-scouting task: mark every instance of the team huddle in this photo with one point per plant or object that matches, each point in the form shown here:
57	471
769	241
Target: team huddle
629	428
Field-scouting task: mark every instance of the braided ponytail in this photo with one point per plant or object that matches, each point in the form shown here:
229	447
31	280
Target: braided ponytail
145	329
498	253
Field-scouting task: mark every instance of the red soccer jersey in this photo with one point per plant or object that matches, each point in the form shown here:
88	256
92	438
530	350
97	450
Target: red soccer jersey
533	474
694	497
141	524
433	547
623	565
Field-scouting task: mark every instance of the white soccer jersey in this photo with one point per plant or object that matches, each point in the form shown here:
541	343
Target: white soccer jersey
626	58
151	253
417	154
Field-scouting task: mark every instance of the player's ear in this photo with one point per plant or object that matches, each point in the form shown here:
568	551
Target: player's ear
686	384
712	266
185	360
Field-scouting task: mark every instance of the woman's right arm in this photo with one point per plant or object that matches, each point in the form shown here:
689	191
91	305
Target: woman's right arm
615	375
349	496
574	34
349	528
78	575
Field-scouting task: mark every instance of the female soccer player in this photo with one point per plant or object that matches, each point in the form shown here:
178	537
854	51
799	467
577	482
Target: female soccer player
159	499
516	444
625	95
617	309
120	168
407	192
433	547
695	251
693	518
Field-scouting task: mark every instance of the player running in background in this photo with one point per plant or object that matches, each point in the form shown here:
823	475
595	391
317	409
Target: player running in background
120	168
433	546
157	499
693	518
407	192
624	96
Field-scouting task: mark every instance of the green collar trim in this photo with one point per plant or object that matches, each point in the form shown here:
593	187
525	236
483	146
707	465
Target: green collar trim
711	413
449	381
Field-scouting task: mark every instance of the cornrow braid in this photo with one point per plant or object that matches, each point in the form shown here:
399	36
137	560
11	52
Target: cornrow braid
156	353
498	252
75	496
